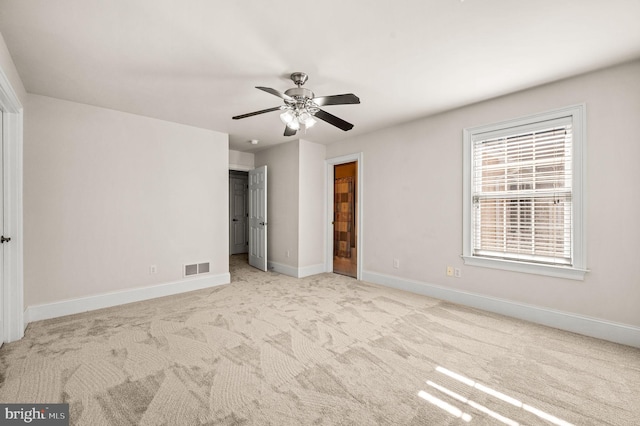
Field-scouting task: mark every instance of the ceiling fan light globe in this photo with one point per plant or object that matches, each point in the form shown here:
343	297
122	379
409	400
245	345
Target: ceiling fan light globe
286	117
309	122
293	125
304	116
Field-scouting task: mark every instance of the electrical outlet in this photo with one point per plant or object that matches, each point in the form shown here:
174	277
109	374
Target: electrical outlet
457	272
449	271
153	269
396	263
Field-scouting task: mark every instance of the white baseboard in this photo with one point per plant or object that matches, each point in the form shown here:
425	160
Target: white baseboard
601	329
307	271
107	300
292	271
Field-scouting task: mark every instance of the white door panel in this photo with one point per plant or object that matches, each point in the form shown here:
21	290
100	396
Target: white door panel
2	295
258	218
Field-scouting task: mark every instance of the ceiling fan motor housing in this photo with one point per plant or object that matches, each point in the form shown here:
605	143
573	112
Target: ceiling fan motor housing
299	94
299	78
301	100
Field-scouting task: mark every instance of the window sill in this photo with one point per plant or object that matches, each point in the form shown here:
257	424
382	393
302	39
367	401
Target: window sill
527	268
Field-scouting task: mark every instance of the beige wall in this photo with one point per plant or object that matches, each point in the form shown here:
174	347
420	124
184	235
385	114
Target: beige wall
282	204
241	160
296	192
413	198
311	206
107	194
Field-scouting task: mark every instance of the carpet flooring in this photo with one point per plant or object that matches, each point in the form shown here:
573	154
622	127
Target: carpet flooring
268	349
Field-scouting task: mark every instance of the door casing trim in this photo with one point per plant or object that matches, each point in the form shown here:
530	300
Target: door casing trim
329	178
12	135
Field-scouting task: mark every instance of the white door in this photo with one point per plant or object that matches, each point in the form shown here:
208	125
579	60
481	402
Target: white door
258	218
2	322
238	239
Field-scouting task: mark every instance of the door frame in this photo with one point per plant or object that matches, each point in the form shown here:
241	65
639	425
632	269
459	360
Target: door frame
13	274
329	181
238	168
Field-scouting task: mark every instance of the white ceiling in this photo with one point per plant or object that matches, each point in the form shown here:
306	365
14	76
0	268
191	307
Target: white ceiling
197	61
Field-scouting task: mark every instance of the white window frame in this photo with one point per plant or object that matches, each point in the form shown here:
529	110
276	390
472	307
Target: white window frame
577	113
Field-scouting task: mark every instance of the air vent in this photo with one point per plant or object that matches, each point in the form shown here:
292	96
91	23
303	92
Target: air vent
196	268
190	270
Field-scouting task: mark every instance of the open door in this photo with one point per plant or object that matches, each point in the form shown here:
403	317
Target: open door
11	267
2	301
258	218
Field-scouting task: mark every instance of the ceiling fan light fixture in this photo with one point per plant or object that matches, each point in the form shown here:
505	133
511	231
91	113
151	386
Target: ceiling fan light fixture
302	108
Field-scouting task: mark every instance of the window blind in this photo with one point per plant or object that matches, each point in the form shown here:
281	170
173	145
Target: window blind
522	193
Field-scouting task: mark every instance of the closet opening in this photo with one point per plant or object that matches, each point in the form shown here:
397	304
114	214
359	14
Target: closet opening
345	206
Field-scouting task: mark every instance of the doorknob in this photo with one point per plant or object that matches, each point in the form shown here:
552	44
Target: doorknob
263	223
4	239
235	220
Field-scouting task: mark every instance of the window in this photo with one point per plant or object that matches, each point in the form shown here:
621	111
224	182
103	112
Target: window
523	201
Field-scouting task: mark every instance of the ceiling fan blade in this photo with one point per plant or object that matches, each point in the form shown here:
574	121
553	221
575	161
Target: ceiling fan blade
332	119
347	98
276	93
289	131
251	114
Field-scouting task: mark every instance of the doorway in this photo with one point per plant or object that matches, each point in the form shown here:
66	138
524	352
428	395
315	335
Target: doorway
238	212
248	216
344	203
345	251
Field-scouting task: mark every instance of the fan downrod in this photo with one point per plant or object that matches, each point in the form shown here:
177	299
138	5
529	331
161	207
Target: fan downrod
299	78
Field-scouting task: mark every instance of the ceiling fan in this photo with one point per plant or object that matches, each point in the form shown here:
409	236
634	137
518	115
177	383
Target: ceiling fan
301	106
